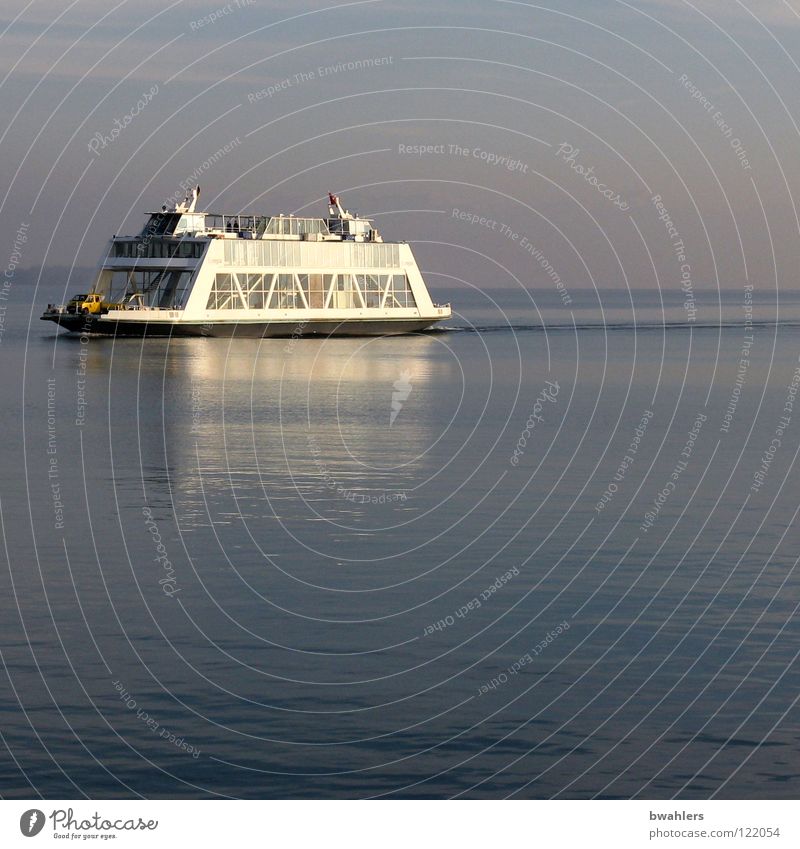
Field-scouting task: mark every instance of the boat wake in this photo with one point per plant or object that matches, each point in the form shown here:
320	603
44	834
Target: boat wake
627	325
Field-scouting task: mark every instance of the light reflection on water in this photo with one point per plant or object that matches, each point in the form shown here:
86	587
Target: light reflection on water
314	544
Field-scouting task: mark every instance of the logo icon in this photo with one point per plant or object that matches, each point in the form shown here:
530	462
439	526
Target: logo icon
31	822
402	389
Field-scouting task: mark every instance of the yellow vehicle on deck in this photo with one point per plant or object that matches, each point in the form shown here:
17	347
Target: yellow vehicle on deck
91	304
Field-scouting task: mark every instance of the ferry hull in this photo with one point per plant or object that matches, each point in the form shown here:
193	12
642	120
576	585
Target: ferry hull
93	325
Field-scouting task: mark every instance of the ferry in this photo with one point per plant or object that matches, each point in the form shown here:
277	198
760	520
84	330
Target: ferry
191	273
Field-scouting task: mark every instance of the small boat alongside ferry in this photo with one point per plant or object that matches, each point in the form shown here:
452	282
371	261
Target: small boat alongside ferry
191	273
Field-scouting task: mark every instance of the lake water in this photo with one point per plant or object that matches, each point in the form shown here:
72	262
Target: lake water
546	551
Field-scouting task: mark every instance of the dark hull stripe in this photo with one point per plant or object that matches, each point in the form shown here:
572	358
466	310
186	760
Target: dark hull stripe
265	329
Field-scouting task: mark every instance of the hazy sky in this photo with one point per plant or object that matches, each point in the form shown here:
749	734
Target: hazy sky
555	122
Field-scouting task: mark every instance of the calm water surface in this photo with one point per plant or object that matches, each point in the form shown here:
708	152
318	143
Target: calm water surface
318	568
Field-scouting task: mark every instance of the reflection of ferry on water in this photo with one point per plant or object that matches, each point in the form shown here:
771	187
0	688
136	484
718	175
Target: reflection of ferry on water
201	274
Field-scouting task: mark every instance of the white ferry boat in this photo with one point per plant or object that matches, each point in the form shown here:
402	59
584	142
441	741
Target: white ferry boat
191	273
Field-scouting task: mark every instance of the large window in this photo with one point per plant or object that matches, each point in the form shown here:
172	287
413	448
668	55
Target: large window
322	255
159	287
315	287
290	226
225	294
285	291
399	293
345	294
160	248
255	288
286	295
372	288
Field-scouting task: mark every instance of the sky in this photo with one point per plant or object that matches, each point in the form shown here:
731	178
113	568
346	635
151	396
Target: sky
641	144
